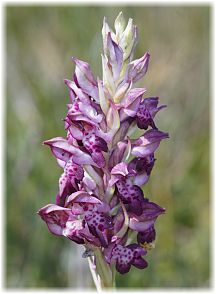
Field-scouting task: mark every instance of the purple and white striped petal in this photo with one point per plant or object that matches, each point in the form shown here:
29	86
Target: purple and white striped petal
85	78
115	56
137	68
128	40
140	169
144	221
148	143
118	172
75	131
63	151
72	231
130	103
82	197
77	231
55	217
79	94
117	154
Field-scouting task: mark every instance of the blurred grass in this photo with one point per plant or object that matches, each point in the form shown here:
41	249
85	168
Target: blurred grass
40	42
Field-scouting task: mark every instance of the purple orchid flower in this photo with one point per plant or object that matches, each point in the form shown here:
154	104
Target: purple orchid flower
68	182
148	143
147	236
95	145
100	201
63	150
55	217
130	104
94	212
85	78
140	168
144	223
137	68
147	111
125	256
62	222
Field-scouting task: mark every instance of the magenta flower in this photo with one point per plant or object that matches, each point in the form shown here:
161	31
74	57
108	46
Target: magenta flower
137	68
147	111
125	256
100	201
144	223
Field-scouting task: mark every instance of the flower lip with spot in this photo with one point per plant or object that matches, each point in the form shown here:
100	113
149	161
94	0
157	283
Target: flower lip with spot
147	111
130	194
95	213
98	224
95	145
126	256
68	181
82	108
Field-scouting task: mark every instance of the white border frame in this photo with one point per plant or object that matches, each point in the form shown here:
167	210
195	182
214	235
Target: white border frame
3	133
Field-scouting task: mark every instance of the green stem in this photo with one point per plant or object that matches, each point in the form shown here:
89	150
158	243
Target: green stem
103	275
103	269
113	277
95	276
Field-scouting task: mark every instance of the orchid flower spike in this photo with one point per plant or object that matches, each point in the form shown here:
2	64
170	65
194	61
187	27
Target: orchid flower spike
100	203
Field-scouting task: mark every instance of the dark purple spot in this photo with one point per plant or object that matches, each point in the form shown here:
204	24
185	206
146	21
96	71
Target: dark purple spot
100	227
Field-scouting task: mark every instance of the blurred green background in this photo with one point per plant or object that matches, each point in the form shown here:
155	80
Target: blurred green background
39	44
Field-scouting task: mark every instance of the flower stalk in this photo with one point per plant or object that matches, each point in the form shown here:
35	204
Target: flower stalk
104	270
95	276
100	202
